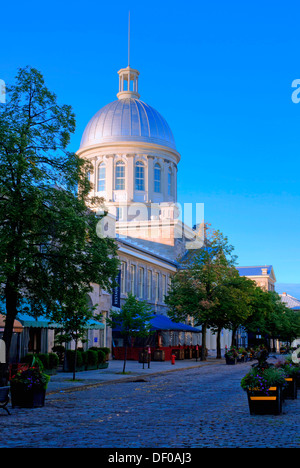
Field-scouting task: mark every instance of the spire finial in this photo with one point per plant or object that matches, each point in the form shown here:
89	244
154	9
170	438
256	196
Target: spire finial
129	39
128	77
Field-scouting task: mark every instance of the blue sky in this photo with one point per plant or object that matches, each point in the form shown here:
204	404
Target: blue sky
221	74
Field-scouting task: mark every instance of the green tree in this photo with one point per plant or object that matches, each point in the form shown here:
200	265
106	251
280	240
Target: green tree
133	319
234	305
72	315
195	288
48	239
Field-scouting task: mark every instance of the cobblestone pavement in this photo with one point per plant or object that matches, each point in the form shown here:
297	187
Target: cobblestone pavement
202	407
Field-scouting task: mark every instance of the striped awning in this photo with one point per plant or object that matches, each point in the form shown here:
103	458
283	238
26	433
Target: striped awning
18	327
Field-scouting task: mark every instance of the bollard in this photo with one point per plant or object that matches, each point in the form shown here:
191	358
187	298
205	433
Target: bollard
173	359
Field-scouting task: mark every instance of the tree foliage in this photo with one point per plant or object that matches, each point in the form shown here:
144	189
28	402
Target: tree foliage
196	288
48	241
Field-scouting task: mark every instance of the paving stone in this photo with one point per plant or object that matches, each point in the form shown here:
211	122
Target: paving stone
191	408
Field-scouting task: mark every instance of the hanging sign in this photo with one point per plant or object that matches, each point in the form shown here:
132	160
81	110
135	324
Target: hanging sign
116	292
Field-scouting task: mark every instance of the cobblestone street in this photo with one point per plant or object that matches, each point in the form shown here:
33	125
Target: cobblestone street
203	407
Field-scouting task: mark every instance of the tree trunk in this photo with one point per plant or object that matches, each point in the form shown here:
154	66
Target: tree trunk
125	356
233	339
203	348
75	360
11	312
219	355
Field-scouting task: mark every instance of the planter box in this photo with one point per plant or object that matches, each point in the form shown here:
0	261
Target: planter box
188	353
230	361
23	398
90	367
265	402
158	355
290	391
143	357
103	365
179	353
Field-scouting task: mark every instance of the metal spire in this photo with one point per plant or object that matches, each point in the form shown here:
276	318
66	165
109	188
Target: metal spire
129	39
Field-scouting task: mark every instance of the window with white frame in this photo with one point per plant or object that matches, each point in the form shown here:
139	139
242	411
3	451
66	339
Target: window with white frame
101	177
123	277
120	176
156	287
149	285
164	287
139	176
157	178
132	278
141	283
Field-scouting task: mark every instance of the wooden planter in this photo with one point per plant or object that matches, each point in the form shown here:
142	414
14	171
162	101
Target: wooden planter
103	365
24	398
158	355
179	353
230	360
265	402
188	353
290	391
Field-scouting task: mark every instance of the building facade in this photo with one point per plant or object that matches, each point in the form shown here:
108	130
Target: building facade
134	162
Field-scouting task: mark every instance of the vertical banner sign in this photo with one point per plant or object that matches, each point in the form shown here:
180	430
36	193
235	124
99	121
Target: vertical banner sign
116	292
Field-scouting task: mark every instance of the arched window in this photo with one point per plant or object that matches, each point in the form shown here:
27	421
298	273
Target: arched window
101	177
120	176
157	178
139	176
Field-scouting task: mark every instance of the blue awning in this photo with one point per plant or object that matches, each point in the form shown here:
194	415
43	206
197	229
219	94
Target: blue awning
164	323
42	322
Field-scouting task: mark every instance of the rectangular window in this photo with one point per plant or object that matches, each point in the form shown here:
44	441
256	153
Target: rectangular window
141	282
123	277
149	285
156	287
157	178
132	279
120	176
101	178
139	176
119	213
164	287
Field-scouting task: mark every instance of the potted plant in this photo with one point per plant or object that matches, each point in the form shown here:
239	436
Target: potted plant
264	384
231	355
291	371
28	387
264	390
242	355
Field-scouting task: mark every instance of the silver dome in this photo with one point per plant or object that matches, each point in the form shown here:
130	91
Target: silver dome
127	120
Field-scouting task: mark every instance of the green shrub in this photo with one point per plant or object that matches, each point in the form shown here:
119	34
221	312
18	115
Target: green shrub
44	358
53	361
101	356
70	354
92	357
106	351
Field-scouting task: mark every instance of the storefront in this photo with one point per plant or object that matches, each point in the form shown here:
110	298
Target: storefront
166	338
